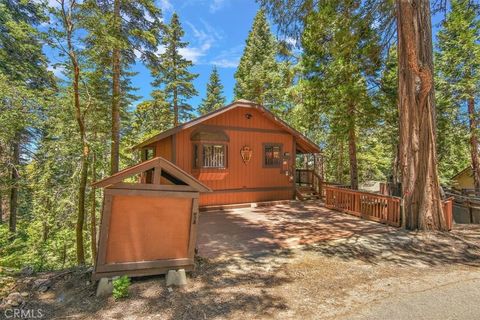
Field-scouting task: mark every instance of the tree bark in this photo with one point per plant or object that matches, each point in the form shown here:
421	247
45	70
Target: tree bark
340	163
80	118
14	183
352	149
93	210
1	208
474	143
116	72
417	145
175	108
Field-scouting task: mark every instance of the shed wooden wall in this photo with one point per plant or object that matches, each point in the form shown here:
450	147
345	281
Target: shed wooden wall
136	223
238	183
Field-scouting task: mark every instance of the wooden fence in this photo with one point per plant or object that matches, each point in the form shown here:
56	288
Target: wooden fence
372	206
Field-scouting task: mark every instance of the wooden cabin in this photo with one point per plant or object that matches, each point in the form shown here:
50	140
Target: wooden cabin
243	152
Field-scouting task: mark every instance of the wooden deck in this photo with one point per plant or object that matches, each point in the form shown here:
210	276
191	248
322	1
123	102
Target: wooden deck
257	231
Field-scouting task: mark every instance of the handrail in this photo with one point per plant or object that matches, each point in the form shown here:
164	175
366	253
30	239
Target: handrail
376	207
371	206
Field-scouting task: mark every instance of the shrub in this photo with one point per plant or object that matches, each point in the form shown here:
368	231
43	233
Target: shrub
120	287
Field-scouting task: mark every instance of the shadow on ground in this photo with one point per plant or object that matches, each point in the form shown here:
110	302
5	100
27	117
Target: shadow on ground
254	232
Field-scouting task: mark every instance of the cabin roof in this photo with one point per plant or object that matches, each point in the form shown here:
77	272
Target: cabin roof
157	162
304	144
466	170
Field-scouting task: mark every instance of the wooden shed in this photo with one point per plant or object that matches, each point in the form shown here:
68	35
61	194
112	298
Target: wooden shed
148	228
242	151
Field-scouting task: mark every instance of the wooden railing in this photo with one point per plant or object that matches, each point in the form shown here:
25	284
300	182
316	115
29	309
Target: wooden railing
311	178
375	207
370	206
447	206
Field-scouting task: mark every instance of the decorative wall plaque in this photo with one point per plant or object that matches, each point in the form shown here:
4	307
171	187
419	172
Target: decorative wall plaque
246	153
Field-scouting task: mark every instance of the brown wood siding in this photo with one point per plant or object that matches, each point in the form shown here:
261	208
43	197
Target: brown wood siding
253	132
164	148
222	198
137	221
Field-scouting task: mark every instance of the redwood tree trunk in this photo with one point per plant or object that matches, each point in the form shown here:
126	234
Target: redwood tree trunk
14	183
474	143
417	145
352	150
116	70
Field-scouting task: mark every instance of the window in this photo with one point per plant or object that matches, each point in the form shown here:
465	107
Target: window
272	155
209	155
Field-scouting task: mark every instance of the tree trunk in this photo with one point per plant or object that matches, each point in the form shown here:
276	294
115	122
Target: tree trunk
80	117
14	183
352	150
175	108
93	210
1	208
340	163
417	145
474	143
116	72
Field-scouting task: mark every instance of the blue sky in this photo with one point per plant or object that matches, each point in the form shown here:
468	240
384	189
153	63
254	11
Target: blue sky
216	31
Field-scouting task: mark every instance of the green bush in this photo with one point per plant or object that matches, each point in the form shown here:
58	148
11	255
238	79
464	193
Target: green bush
120	287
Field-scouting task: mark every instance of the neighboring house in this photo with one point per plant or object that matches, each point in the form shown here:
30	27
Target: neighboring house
242	151
463	179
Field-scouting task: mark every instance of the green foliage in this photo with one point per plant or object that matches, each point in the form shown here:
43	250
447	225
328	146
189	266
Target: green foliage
170	71
214	98
457	62
260	77
120	287
336	75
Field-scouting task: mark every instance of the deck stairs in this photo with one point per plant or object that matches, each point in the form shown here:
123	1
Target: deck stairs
306	193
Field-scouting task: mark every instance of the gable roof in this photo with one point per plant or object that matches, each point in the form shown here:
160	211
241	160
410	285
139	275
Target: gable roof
157	162
304	143
466	170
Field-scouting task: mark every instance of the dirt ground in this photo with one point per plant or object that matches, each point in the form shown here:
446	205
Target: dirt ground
349	274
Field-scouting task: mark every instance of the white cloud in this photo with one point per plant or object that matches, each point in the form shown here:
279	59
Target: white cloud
166	5
216	5
192	54
204	38
228	58
57	70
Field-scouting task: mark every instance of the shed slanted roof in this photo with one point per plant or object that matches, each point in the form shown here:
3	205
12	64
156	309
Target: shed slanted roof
157	162
303	143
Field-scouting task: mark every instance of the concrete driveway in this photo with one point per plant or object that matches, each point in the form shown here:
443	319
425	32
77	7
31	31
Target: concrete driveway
257	231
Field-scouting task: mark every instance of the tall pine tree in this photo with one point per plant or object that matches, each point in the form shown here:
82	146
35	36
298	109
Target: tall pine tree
23	66
121	31
171	72
458	75
339	70
259	75
214	98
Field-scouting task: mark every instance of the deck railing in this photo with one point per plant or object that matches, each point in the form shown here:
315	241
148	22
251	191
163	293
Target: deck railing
311	178
370	206
375	207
